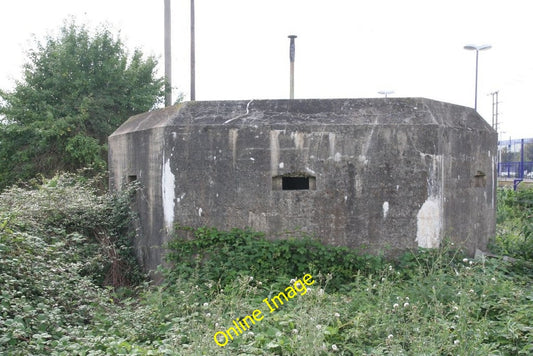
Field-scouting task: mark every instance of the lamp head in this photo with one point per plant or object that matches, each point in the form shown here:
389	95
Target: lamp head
477	48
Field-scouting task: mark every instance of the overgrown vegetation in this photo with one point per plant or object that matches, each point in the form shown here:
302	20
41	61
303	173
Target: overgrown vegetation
514	235
54	301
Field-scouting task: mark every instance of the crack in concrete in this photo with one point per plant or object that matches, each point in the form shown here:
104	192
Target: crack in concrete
240	116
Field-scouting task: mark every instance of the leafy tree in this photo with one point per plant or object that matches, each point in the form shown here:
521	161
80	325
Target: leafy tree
528	154
509	156
77	88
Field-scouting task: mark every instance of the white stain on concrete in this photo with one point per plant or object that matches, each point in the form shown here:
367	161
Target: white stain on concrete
429	224
200	212
168	187
337	157
332	138
233	134
274	151
385	209
362	159
298	138
281	165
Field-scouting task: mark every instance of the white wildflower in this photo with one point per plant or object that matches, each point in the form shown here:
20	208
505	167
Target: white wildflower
390	336
319	327
396	305
334	347
465	260
337	315
405	305
456	342
206	305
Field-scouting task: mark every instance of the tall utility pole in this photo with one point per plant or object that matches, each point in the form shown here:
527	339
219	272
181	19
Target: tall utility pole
495	110
193	56
291	57
168	56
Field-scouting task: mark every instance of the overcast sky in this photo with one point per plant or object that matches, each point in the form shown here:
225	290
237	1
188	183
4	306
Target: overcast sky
344	49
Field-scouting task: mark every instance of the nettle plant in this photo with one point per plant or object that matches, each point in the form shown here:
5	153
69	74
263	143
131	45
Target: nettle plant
211	254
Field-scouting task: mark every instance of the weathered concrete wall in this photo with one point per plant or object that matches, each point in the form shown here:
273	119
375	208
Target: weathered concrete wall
383	174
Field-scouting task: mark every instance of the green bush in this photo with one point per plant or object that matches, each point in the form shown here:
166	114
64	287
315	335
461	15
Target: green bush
60	243
43	291
221	256
70	205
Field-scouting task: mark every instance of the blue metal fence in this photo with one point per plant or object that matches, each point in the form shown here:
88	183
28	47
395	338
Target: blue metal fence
515	170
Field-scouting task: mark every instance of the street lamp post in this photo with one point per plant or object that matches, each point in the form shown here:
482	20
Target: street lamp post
291	58
168	55
386	92
477	49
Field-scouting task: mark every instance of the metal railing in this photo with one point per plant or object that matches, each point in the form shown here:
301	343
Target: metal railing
518	169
